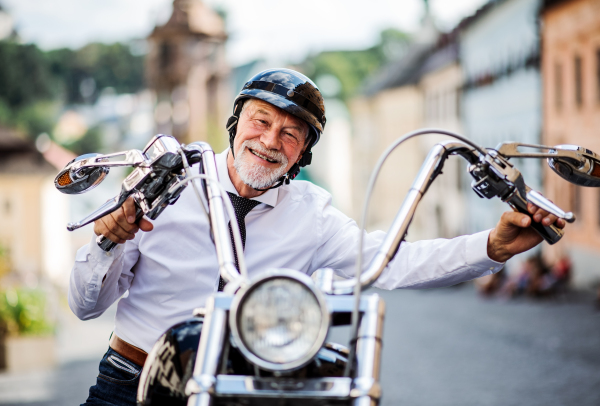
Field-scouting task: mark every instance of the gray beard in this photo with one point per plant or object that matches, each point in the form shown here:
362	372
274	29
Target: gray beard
254	175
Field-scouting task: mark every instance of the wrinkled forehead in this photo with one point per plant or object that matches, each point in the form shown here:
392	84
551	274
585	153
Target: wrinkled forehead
251	106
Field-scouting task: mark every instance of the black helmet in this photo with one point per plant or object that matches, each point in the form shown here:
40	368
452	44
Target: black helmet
292	92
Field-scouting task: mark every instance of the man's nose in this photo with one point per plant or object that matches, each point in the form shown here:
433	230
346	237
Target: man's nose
270	138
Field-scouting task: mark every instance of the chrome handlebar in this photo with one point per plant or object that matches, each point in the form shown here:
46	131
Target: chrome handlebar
158	179
494	176
431	167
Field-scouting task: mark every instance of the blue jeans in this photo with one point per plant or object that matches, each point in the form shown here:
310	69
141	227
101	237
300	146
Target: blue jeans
117	382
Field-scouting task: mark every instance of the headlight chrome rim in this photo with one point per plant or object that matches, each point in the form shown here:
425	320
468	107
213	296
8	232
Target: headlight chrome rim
256	282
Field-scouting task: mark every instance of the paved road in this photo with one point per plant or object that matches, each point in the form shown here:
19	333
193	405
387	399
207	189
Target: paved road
443	347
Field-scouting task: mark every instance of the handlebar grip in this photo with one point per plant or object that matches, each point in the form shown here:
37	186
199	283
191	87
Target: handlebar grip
551	233
107	245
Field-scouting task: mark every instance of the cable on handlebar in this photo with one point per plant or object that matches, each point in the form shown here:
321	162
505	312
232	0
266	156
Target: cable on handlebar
189	174
370	186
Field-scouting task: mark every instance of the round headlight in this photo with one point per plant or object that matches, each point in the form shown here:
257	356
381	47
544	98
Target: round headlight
280	321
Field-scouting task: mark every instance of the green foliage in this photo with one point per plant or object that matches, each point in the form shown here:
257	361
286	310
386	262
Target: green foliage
34	84
5	265
91	141
5	112
353	67
109	65
35	118
23	312
24	75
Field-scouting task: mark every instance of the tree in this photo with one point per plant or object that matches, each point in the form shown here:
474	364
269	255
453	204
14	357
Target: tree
35	84
353	67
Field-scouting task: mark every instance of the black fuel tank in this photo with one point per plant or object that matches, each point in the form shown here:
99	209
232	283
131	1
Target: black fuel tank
170	365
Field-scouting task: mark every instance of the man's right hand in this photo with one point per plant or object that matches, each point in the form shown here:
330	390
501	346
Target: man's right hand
120	225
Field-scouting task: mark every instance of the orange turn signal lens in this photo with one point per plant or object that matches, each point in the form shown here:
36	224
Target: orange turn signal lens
64	179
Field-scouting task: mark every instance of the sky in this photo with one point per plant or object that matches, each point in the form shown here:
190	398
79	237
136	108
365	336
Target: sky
285	30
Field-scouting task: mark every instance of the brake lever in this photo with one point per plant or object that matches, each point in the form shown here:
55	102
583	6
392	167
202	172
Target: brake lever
540	201
496	177
550	233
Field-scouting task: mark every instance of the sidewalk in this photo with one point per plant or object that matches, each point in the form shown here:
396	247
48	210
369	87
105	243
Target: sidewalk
80	345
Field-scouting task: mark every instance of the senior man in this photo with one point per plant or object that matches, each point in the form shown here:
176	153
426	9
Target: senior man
277	118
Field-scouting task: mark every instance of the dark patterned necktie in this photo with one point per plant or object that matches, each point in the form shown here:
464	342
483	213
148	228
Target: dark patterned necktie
242	207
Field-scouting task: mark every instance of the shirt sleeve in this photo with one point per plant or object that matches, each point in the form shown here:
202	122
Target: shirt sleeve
418	265
99	278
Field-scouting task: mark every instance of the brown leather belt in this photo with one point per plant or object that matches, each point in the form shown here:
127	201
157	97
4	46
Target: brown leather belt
128	351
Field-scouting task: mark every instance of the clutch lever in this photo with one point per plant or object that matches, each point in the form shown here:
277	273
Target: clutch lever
110	206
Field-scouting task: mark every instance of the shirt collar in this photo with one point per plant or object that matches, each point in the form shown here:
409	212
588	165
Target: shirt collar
269	197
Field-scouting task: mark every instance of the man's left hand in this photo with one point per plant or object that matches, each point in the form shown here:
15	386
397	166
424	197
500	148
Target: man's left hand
513	235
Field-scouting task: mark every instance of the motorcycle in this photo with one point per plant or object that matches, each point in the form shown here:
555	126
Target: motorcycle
263	340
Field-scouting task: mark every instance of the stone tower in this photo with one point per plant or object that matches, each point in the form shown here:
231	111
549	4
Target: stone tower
187	69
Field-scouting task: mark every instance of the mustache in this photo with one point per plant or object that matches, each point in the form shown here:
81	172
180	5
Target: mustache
256	146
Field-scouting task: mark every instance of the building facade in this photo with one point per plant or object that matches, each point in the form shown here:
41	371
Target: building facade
187	69
34	242
499	54
571	84
441	83
391	105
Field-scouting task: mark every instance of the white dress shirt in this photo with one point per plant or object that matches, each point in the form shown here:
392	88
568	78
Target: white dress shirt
171	270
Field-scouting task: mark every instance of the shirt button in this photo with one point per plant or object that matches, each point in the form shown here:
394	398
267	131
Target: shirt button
492	268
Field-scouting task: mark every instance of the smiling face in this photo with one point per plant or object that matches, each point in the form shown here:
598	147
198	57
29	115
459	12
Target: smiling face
267	143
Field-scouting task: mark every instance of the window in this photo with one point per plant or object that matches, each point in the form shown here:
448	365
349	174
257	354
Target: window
578	82
558	86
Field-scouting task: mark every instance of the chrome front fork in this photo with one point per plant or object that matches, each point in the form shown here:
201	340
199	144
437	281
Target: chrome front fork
364	390
201	387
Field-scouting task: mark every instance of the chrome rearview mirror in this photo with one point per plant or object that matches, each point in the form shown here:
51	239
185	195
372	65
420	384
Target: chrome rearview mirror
78	177
583	169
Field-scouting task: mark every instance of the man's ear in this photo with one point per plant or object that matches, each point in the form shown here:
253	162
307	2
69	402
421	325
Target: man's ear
301	154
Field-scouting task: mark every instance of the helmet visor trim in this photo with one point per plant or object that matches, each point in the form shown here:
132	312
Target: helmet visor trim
290	95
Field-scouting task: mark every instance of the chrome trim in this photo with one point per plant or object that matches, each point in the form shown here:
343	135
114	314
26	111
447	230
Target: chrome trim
258	280
80	180
200	387
253	387
324	280
218	218
389	247
365	386
540	201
